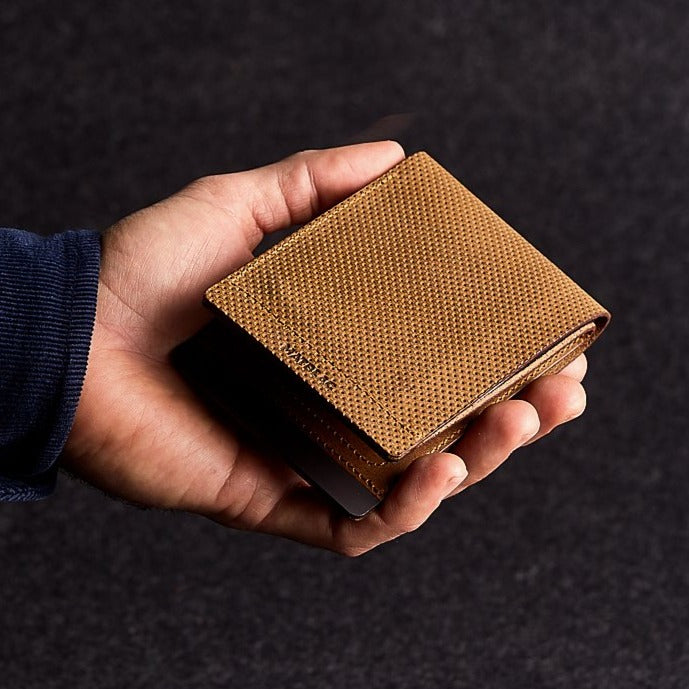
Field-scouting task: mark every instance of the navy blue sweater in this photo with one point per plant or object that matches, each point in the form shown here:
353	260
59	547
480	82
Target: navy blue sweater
48	289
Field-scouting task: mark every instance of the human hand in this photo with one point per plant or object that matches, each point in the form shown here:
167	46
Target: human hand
142	435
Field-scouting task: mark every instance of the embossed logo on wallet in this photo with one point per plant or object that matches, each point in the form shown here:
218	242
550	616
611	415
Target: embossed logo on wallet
308	365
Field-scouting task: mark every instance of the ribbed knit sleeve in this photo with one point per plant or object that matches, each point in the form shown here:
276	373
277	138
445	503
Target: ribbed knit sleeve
48	290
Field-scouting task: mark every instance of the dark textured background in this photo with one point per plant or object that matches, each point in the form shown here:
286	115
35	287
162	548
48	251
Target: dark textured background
569	566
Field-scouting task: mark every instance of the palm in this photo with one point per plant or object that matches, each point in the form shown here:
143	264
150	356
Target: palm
142	435
156	444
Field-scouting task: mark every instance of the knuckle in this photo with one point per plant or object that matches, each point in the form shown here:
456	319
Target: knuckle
302	154
208	187
347	541
203	186
298	188
407	527
501	423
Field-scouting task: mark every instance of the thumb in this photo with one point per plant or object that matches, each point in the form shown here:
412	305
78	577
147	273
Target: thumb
418	493
294	190
165	256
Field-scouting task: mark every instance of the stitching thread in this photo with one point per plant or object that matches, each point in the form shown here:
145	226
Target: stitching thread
314	414
574	347
317	222
320	356
332	212
377	491
444	443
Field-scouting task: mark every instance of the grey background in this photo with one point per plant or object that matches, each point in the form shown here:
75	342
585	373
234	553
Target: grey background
569	566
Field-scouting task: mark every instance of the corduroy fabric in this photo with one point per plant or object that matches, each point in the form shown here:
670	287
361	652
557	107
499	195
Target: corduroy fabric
48	290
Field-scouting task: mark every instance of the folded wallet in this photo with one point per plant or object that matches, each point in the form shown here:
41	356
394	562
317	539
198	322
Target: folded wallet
374	334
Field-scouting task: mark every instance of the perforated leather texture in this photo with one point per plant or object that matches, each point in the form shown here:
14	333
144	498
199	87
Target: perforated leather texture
409	306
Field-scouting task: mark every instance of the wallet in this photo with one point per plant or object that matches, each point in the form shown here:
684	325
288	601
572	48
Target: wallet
375	334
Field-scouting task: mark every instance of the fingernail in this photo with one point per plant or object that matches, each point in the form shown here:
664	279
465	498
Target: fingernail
527	438
530	435
576	414
457	478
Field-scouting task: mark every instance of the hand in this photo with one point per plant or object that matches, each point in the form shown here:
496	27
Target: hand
140	434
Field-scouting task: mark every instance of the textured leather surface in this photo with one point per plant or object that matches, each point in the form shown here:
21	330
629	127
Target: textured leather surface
409	307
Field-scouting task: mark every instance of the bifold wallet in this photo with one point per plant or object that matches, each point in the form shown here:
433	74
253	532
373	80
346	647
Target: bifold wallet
374	334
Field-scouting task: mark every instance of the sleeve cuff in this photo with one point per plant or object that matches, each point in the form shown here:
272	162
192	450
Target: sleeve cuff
49	288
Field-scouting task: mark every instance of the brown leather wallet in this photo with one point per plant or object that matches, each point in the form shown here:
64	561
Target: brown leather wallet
374	334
